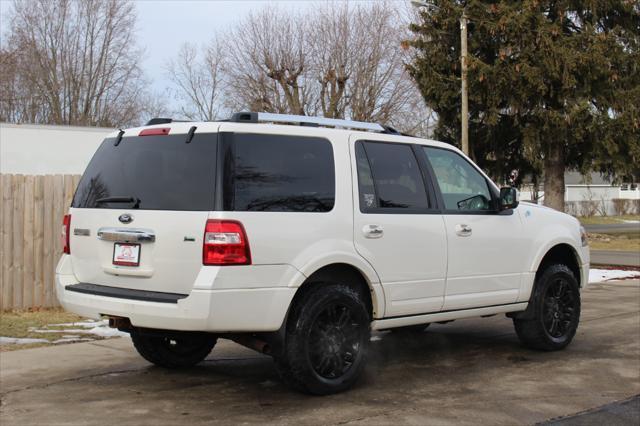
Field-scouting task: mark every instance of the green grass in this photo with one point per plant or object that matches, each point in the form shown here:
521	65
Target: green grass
606	220
17	324
621	242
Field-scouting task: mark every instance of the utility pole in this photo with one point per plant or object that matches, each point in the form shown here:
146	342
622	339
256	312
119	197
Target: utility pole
464	115
465	100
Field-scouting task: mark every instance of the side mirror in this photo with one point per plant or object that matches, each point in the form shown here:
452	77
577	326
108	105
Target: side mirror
509	198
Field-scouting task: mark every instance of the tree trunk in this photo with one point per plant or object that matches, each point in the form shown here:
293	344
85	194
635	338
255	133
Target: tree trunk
554	177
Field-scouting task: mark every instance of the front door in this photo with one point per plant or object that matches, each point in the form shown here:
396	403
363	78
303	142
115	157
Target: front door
397	228
485	247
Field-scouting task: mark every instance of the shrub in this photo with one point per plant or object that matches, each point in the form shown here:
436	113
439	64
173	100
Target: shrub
622	206
588	208
571	207
601	207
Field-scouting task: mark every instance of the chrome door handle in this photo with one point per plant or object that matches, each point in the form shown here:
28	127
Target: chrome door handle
372	231
463	230
126	235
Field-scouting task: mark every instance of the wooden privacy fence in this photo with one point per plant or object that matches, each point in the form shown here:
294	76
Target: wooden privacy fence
30	224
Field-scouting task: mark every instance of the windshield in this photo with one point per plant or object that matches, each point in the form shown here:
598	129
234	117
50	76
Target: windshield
151	173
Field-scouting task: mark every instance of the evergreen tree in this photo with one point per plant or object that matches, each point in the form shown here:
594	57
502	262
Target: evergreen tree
553	85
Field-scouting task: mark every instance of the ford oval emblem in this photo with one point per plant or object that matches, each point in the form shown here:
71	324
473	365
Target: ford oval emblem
125	218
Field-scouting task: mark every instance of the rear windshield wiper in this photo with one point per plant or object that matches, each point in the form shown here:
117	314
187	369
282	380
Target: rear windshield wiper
135	201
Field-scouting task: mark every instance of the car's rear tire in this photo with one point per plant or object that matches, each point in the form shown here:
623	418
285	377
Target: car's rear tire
170	352
328	332
555	312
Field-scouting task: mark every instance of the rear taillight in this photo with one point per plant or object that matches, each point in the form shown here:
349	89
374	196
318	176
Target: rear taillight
225	243
66	230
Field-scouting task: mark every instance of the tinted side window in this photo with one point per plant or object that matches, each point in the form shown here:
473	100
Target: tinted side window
397	178
461	185
279	173
366	189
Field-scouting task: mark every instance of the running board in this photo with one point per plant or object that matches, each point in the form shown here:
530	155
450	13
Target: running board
384	324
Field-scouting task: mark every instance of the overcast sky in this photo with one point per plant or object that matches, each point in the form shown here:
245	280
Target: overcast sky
164	25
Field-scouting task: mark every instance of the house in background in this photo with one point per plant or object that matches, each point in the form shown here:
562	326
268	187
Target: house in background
30	149
592	195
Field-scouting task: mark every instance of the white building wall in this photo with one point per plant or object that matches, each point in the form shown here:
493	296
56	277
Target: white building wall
38	150
591	193
596	193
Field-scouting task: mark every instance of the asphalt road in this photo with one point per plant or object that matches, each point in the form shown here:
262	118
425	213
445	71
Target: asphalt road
615	414
468	372
613	228
617	258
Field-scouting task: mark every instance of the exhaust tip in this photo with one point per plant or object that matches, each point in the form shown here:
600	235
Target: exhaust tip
120	323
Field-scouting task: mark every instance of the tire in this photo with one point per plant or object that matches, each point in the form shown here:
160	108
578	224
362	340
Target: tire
182	352
556	311
327	338
410	329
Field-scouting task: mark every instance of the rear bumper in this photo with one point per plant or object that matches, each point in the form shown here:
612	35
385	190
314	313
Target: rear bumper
228	310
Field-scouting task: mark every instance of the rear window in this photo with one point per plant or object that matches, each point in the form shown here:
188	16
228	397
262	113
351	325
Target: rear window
151	173
278	173
389	177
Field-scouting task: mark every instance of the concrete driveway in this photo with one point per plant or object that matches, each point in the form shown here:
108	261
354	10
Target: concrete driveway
468	372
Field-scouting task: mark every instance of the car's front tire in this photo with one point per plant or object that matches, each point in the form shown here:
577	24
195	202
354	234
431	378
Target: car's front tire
328	332
172	352
555	311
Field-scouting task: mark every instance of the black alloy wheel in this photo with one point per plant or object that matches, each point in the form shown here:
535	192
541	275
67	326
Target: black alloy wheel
552	318
559	308
328	333
334	342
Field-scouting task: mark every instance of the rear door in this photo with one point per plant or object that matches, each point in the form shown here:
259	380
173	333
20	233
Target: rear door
397	228
138	215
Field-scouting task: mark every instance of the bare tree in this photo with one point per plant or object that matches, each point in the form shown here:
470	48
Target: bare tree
332	50
267	62
340	60
78	57
198	81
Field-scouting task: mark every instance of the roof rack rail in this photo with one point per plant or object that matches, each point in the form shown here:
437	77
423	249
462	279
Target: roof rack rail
303	120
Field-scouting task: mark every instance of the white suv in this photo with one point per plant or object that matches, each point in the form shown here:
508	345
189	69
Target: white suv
297	236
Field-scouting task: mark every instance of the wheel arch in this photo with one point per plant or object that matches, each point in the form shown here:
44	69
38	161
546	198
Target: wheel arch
562	253
559	253
347	274
336	272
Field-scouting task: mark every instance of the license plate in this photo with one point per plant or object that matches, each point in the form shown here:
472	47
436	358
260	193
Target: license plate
125	254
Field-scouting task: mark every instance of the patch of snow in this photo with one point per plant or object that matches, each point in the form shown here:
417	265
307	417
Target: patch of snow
631	221
107	332
18	341
602	275
96	331
88	328
85	324
68	330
